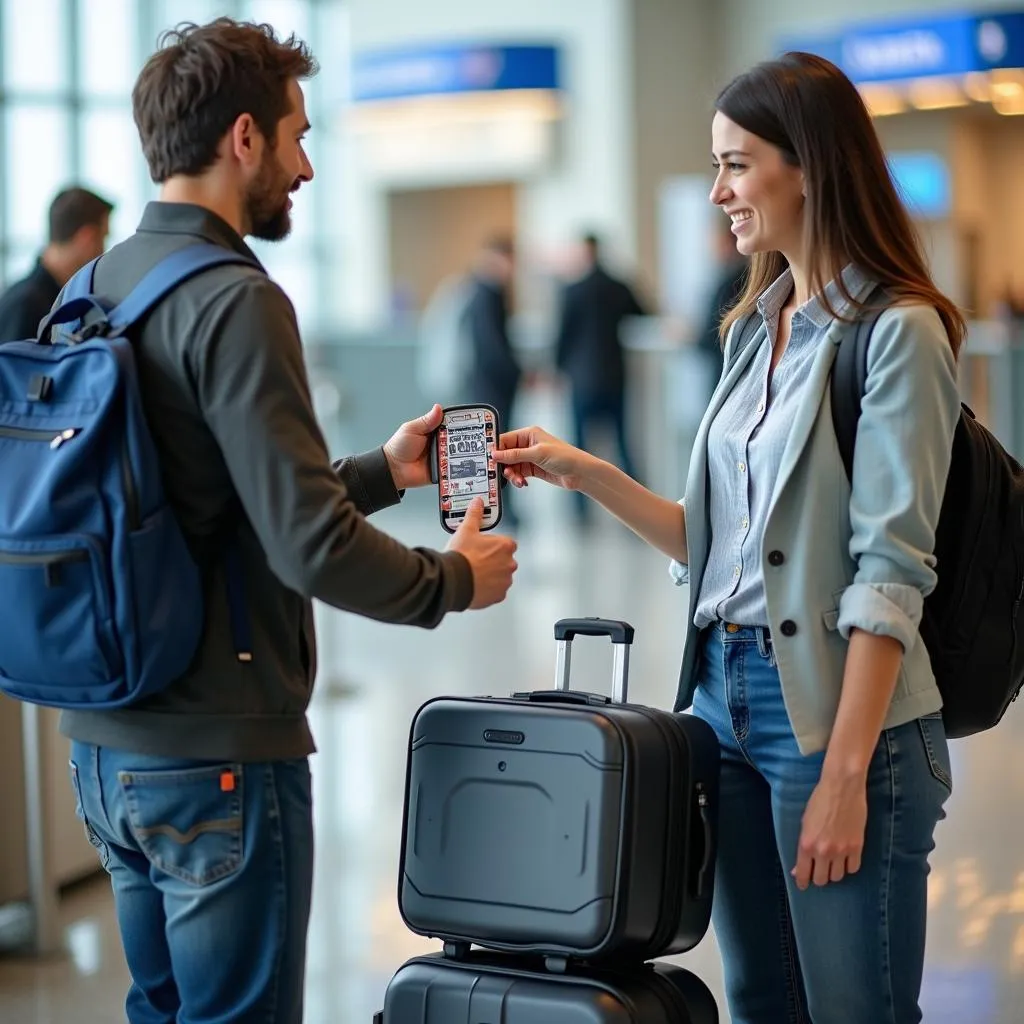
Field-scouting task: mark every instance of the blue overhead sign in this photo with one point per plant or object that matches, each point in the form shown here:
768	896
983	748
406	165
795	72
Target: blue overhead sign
922	48
457	68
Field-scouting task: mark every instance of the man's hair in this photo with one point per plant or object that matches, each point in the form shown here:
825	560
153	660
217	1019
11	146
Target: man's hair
74	209
201	80
593	243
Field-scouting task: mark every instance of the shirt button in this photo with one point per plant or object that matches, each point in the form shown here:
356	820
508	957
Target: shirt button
788	628
736	572
741	466
760	406
776	558
745	525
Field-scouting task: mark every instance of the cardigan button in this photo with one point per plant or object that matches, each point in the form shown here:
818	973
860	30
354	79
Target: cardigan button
776	558
788	628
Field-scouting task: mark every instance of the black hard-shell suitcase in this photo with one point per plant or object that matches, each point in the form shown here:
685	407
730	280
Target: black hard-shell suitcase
560	823
501	988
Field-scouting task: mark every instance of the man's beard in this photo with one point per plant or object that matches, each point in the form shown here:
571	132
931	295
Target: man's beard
267	202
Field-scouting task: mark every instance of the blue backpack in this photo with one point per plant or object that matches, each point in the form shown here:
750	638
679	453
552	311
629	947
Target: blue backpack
100	599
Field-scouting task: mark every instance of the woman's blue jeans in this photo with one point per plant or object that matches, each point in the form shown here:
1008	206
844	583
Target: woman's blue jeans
850	952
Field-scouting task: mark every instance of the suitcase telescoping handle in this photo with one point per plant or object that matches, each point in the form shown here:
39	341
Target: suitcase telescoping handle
621	634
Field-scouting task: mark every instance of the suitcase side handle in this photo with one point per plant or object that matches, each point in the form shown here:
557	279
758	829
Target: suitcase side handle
700	879
621	634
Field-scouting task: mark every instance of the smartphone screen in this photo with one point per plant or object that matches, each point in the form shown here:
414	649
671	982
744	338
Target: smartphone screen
466	469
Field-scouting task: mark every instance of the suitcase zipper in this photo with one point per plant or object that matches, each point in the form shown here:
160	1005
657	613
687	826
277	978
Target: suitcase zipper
55	440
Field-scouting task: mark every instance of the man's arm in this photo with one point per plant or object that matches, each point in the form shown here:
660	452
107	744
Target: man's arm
368	481
252	387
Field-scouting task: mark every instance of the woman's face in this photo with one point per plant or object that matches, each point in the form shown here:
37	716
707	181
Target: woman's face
758	189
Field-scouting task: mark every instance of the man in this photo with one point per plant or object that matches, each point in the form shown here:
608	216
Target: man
589	352
198	799
79	224
493	372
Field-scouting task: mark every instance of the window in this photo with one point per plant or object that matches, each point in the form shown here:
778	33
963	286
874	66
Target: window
287	16
65	114
37	154
112	164
107	47
168	13
35	45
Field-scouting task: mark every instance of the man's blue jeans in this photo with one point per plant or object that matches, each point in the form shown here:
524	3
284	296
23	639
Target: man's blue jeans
212	870
850	952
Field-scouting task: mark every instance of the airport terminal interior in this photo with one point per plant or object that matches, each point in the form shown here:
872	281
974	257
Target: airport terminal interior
423	151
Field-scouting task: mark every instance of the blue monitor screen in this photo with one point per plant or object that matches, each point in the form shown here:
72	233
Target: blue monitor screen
923	181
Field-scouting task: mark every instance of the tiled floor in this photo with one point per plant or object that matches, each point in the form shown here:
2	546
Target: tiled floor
373	679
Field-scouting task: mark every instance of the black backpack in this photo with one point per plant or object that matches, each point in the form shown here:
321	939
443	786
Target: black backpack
973	622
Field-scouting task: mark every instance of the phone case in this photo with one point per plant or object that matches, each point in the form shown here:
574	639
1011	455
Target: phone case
439	467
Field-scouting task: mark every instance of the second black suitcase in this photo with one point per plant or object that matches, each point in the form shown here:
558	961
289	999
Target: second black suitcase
501	989
561	823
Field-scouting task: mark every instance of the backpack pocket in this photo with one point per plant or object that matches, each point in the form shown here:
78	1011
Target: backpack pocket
58	633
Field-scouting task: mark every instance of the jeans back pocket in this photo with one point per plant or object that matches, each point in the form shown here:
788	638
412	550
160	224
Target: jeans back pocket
188	821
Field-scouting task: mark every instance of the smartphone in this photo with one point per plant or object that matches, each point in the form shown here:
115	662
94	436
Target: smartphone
463	466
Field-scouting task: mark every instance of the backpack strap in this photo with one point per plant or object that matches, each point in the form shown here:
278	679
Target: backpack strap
79	297
167	275
849	380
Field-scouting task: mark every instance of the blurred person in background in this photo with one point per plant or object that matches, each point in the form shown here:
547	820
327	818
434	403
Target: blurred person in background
806	588
730	280
588	350
492	371
79	225
198	799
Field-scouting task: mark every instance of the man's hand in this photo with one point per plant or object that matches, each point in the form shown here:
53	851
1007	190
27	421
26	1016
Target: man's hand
489	556
408	450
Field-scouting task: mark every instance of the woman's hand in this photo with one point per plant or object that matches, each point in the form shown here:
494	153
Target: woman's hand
534	453
832	836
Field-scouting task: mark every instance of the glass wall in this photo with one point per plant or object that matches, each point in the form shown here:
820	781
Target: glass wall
66	74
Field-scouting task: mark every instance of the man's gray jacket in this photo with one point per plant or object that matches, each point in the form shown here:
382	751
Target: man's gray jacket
227	400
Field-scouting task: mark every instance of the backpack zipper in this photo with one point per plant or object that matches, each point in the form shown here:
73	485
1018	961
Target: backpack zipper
55	440
50	561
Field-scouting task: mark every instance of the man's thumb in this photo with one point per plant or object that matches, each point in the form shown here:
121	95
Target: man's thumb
474	515
432	420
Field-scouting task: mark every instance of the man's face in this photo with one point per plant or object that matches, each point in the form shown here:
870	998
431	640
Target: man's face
283	169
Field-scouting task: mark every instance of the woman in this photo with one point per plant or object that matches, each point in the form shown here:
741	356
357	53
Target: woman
806	593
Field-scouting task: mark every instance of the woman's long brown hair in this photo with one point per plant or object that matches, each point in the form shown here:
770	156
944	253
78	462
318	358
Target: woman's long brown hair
811	111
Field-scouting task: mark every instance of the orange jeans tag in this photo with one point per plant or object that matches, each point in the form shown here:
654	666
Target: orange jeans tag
227	782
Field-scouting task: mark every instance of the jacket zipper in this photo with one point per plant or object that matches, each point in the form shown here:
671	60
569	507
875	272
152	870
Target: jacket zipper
55	440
